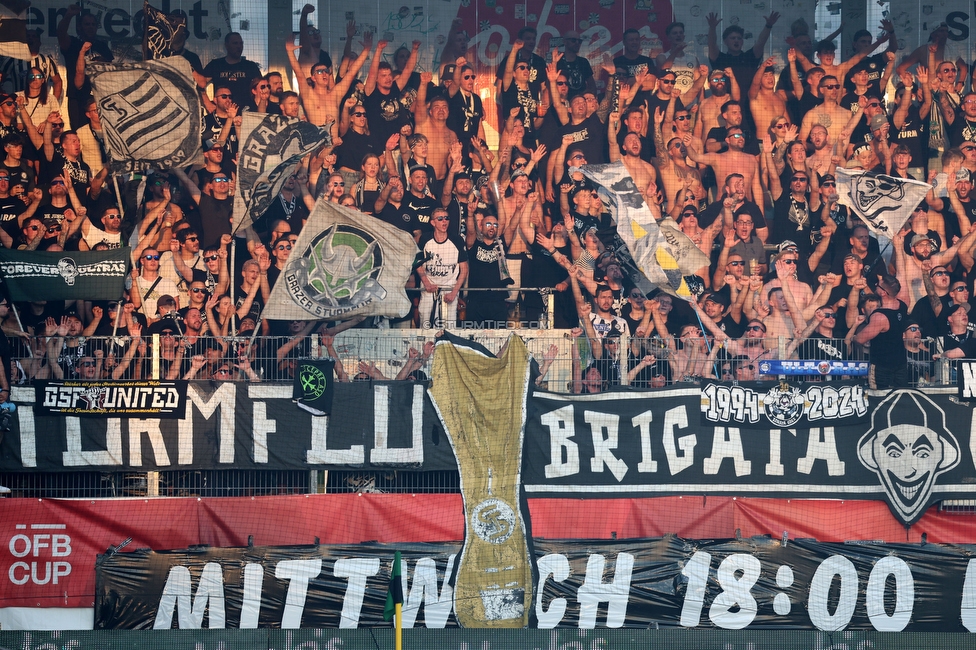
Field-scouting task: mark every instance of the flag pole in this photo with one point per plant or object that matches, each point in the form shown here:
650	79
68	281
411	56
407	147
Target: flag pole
399	626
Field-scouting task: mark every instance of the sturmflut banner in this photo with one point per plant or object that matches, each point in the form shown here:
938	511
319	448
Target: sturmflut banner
671	582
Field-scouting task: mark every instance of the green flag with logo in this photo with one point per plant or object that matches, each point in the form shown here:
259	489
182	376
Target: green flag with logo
314	382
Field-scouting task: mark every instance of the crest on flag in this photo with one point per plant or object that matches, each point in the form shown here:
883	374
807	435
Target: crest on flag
150	113
344	264
666	257
885	203
271	147
161	31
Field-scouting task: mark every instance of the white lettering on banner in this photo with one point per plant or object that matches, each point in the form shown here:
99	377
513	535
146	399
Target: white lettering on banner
299	572
562	427
224	398
75	456
24	398
775	465
904	595
823	447
820	616
39	545
320	454
261	426
594	591
423	590
736	592
967	374
251	596
557	566
678	461
642	422
358	570
381	452
190	609
136	429
727	446
731	403
603	445
696	570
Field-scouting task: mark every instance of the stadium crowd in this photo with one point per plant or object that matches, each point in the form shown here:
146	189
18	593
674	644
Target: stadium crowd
739	151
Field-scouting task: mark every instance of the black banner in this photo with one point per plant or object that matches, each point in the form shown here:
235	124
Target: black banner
64	275
106	399
665	582
916	450
236	426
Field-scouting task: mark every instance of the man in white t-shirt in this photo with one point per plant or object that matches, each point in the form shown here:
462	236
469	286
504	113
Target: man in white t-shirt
445	267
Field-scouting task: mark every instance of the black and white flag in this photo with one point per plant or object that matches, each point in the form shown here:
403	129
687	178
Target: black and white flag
271	147
160	32
150	113
885	203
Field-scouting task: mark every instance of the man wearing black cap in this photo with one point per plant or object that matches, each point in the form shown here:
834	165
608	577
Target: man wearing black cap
883	326
959	341
716	305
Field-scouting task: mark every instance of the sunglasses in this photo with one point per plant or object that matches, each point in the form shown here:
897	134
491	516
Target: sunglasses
914	328
578	156
667	82
736	135
780	126
830	86
562	83
7	102
222	371
86	364
211	258
521	67
359	114
151	257
960	289
193	238
828	184
718	80
53	229
198	290
739	263
283	247
221	180
749	367
336	184
35	76
264	87
34	228
441	219
224	96
755	328
791	262
830	315
59	125
682	118
490	224
873	105
57	183
939	273
637	296
800	179
471	76
321	71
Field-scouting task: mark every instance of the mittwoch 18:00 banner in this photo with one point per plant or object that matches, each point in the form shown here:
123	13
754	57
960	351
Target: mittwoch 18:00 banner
642	583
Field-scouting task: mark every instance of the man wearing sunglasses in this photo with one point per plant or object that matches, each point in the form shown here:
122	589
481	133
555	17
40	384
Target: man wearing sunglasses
466	112
733	161
830	114
216	204
280	250
444	270
181	260
149	285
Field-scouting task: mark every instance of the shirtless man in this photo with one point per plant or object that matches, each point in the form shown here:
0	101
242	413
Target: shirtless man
830	114
642	173
827	51
733	161
822	151
765	101
519	217
319	92
724	87
431	121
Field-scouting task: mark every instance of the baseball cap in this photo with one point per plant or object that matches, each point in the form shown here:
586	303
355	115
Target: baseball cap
954	308
918	239
878	121
787	243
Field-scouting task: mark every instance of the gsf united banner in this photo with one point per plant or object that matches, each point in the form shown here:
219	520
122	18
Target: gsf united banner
666	582
238	426
916	450
162	399
75	275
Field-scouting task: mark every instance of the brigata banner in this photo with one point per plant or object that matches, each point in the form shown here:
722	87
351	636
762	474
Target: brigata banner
913	449
65	275
375	425
146	398
757	583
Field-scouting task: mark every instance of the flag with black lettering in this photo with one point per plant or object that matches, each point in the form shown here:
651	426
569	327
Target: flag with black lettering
885	203
13	30
271	147
160	32
344	264
666	257
64	275
314	385
150	113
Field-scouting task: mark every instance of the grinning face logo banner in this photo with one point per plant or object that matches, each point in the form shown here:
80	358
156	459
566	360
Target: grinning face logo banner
908	447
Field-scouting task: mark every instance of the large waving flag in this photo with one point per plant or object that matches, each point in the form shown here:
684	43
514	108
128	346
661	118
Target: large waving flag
271	147
150	113
885	203
665	256
160	32
344	264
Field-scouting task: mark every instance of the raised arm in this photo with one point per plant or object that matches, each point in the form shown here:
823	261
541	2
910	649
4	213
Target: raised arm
760	44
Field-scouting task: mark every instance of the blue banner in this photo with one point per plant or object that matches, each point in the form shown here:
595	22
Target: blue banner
811	367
